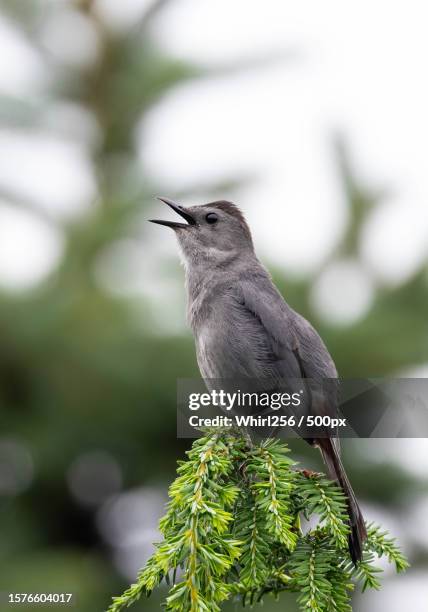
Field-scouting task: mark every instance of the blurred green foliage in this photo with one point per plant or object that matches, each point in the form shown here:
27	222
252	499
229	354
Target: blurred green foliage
80	371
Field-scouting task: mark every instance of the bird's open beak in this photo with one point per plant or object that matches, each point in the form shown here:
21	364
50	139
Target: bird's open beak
178	209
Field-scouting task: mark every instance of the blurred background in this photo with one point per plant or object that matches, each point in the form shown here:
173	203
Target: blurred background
312	117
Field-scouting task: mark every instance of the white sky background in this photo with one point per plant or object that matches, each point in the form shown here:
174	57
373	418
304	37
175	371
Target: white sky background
354	67
358	69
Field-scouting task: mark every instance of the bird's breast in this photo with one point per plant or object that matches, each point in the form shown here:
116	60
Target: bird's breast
231	343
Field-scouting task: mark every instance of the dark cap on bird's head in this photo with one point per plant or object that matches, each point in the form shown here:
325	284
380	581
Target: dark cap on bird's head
210	229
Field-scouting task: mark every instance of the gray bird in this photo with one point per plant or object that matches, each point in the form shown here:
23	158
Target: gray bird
242	325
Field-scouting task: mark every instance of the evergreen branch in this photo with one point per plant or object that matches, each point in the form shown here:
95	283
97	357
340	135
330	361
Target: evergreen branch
341	586
147	580
379	543
323	497
251	530
319	574
307	568
196	517
273	481
233	526
365	572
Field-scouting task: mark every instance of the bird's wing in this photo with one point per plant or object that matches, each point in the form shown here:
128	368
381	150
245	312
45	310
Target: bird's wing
261	299
293	338
297	348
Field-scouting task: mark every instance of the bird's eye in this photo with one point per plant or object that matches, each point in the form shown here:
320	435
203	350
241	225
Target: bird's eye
211	218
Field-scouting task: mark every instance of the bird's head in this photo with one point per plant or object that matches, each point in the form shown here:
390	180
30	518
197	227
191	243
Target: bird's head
213	232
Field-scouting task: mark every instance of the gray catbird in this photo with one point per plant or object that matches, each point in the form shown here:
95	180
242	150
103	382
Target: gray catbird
242	325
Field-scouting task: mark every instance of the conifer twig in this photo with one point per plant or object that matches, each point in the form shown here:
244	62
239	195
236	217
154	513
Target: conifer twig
233	528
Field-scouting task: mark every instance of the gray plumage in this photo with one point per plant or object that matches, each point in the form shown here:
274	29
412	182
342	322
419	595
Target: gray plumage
242	325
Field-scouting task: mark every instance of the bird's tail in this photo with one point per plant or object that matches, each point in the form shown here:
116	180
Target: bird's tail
336	471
